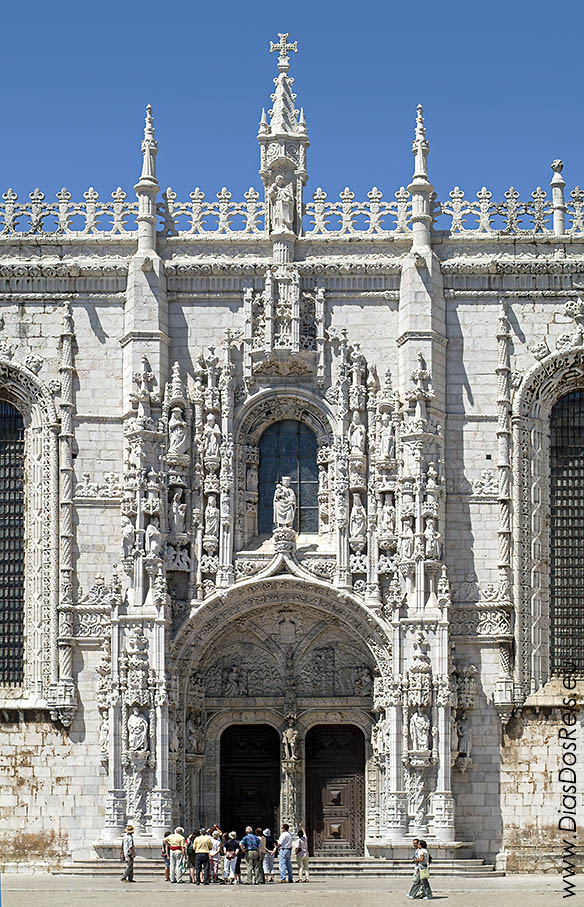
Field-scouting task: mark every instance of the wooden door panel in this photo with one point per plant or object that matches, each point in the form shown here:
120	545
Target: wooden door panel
335	783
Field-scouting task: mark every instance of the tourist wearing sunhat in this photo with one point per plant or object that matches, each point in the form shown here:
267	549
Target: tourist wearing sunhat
128	853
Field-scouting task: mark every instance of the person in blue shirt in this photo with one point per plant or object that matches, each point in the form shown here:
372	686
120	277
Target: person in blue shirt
250	846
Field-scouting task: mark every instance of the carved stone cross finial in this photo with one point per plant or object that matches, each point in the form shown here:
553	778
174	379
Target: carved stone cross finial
283	47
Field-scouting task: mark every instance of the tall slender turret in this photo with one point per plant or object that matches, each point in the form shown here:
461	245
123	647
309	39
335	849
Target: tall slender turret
421	188
147	187
283	143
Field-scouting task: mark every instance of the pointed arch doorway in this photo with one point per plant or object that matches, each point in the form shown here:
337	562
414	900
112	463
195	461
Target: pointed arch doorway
250	777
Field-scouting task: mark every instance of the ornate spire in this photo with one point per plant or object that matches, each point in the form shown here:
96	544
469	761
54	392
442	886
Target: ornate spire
149	150
283	115
420	147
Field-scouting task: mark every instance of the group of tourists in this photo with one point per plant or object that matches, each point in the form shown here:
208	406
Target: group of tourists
211	855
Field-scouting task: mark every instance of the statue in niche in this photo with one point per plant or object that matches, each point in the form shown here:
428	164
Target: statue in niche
252	478
431	476
386	440
137	731
212	516
387	518
195	733
177	432
211	437
153	539
358	518
128	537
284	504
282	200
173	742
357	435
290	740
432	539
178	512
407	539
420	732
463	734
453	732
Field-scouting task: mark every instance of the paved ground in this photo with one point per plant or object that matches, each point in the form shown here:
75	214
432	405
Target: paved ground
49	891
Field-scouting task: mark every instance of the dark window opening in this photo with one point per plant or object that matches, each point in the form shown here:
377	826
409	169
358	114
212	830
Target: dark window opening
567	534
11	545
288	448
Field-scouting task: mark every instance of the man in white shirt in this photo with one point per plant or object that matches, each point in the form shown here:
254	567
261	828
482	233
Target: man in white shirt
128	853
285	848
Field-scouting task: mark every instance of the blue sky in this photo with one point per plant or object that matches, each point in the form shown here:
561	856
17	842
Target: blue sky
501	85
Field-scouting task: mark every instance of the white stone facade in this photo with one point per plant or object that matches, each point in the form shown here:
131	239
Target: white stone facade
148	345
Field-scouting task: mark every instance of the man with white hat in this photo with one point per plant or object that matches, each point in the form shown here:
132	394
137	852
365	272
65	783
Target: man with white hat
128	853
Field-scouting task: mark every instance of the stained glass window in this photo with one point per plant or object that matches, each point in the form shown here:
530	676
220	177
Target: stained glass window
288	448
567	534
11	544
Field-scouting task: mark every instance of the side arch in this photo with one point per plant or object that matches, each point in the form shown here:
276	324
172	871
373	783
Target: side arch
22	388
558	374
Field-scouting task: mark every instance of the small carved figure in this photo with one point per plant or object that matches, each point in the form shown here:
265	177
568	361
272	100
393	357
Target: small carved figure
387	518
431	476
178	512
234	682
432	540
358	518
420	731
128	536
464	735
194	734
357	435
153	539
173	742
177	432
211	437
252	478
284	504
407	539
282	199
137	731
386	440
212	516
289	739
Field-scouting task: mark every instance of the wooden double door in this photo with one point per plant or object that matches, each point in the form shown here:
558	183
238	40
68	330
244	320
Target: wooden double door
335	789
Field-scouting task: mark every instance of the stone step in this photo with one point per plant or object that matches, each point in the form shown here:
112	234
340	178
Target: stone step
319	868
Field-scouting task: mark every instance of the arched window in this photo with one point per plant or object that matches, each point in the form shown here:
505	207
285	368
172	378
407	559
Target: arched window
567	533
11	544
288	448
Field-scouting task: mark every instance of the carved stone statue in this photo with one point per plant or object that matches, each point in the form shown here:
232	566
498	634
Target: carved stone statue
211	437
153	539
386	439
420	731
464	735
357	435
177	432
358	519
212	516
431	476
137	731
177	512
284	504
194	734
289	739
128	536
282	199
252	478
387	518
432	540
407	539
